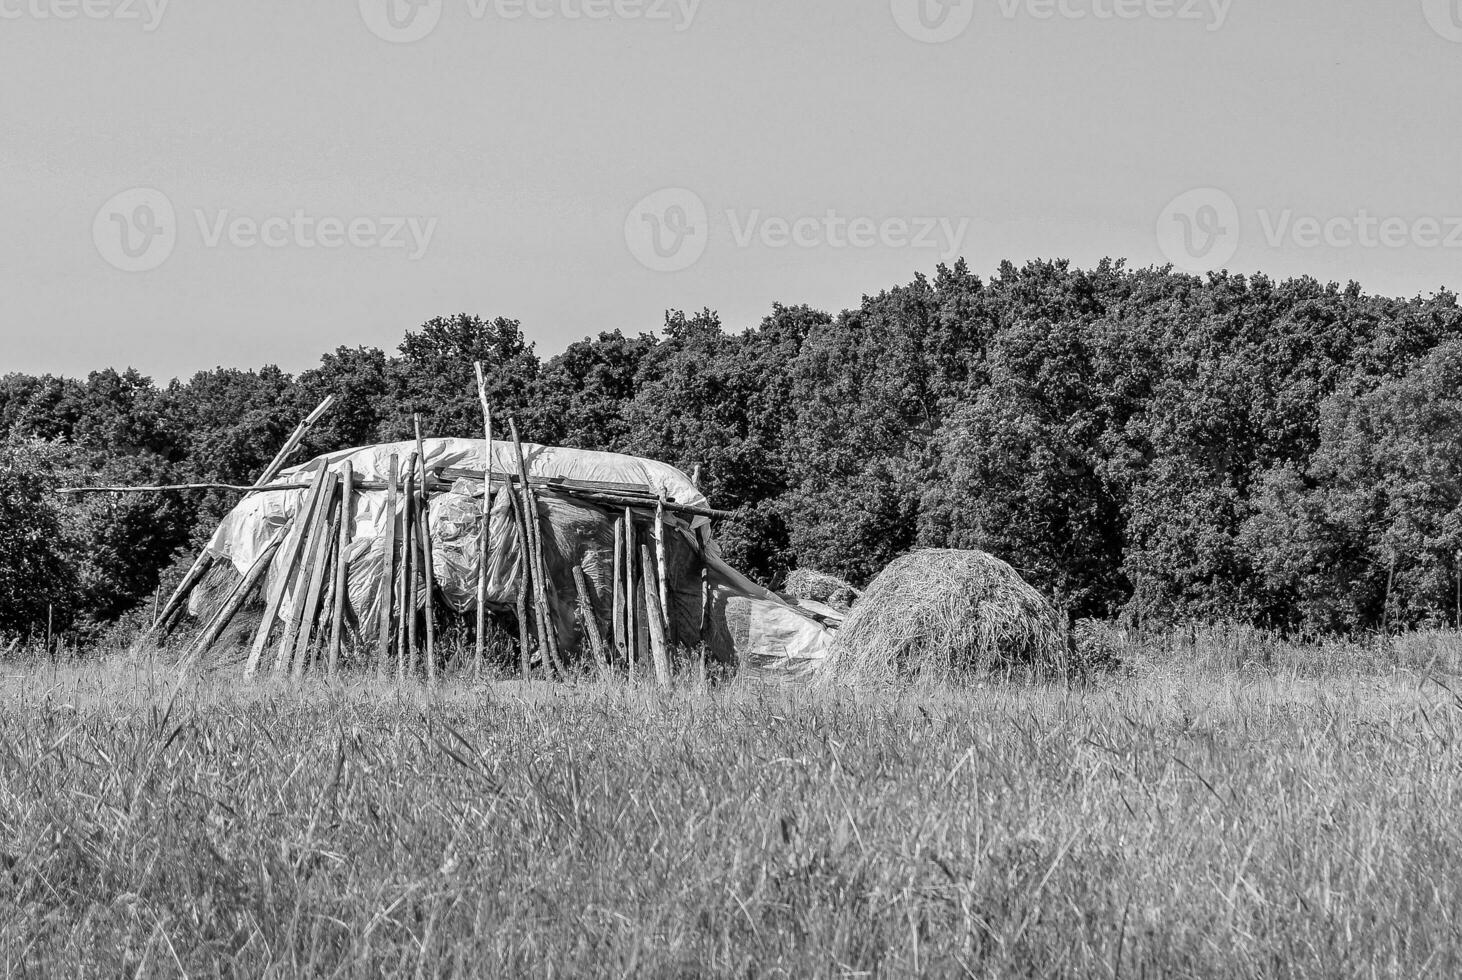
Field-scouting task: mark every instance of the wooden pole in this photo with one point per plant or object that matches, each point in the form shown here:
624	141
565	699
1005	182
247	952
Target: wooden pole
617	595
484	546
294	651
191	578
293	442
231	606
409	563
291	549
547	633
1386	612
423	536
347	527
205	559
588	617
524	585
704	630
384	634
603	498
398	583
654	617
632	635
662	574
314	645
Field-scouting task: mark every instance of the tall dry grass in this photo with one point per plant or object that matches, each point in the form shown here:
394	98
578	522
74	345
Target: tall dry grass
1219	809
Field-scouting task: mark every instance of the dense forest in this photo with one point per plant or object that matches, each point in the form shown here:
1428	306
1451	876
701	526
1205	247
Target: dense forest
1139	443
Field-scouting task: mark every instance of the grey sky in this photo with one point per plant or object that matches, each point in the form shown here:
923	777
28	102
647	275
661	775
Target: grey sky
524	135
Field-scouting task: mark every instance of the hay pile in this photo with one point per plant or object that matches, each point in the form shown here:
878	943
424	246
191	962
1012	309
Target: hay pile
947	615
807	583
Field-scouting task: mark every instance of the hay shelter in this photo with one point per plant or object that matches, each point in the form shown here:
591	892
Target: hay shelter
946	615
358	559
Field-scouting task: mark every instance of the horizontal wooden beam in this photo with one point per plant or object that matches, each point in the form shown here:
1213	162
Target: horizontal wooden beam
578	489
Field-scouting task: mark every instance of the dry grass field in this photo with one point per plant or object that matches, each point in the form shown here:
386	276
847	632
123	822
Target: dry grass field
1220	807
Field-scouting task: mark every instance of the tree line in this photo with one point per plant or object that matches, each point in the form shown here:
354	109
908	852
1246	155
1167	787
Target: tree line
1139	443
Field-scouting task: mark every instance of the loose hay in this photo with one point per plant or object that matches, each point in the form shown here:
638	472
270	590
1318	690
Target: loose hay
945	615
806	583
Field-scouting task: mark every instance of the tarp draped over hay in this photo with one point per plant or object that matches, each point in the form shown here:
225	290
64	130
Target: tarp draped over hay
744	624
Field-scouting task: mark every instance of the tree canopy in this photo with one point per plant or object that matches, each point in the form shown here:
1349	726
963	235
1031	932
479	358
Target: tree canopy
1136	442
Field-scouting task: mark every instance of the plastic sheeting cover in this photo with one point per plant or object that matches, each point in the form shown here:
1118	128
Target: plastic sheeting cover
773	635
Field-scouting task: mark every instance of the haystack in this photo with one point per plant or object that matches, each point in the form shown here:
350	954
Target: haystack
946	615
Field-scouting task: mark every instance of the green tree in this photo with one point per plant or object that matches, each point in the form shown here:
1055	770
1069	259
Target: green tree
37	561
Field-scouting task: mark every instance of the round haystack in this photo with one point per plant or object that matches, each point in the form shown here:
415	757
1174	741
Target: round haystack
945	615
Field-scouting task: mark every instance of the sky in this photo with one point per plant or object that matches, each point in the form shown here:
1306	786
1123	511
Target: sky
188	185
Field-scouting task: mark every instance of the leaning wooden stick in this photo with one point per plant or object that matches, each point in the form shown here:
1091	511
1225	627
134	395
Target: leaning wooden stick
631	628
289	556
653	615
409	563
524	576
293	651
347	524
484	545
423	538
616	613
428	573
664	589
704	630
194	575
547	633
232	604
388	567
588	617
316	619
201	563
293	442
